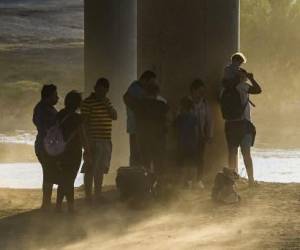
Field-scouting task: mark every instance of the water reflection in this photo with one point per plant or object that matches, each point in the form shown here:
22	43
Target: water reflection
270	166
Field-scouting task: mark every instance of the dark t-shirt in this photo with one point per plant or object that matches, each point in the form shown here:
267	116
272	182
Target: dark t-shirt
70	160
186	124
70	124
44	117
150	118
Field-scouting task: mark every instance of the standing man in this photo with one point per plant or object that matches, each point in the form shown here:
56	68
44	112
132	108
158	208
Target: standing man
151	120
44	117
235	104
136	91
98	114
203	114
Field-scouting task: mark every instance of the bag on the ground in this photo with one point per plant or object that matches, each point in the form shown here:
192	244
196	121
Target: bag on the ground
134	182
224	190
232	106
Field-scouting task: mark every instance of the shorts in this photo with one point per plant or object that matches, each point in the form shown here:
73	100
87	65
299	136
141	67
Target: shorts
101	155
247	141
101	150
240	133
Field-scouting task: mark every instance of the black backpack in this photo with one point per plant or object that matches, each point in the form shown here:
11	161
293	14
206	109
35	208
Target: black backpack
232	106
134	182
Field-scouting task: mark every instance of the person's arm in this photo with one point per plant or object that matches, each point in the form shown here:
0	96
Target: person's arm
131	102
41	120
126	98
130	94
37	117
86	145
112	111
85	110
197	128
255	88
209	126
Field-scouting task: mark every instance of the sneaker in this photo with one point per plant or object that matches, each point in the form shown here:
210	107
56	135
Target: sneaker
253	184
200	185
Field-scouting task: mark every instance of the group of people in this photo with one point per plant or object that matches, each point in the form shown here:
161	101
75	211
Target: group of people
148	122
89	130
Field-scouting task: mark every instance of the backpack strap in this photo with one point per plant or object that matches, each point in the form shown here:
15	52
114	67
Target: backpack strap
75	130
59	123
251	103
73	134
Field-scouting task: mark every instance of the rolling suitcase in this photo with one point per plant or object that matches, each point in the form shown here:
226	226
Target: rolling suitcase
134	182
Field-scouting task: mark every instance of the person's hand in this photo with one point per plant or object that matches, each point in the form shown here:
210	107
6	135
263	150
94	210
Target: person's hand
106	101
250	76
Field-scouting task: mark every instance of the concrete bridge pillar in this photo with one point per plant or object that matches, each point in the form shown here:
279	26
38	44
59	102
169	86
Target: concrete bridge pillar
179	40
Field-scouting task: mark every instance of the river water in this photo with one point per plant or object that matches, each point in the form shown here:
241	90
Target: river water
270	166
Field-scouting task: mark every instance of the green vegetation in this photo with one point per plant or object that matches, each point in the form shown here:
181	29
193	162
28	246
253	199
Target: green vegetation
23	72
270	38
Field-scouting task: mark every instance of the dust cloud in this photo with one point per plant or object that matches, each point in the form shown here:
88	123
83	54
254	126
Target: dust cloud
191	221
264	219
172	231
271	40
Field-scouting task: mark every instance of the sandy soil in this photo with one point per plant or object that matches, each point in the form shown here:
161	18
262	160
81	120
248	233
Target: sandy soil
267	218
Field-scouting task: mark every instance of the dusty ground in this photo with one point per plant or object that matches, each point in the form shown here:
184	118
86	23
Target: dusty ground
267	218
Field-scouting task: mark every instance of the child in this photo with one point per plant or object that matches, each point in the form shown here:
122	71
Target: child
203	114
187	139
233	70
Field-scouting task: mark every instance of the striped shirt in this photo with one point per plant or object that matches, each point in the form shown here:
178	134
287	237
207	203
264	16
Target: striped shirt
99	119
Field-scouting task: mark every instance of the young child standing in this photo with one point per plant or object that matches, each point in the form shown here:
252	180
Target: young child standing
202	111
187	139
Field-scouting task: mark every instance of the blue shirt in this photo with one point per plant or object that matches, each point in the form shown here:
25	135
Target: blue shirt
135	90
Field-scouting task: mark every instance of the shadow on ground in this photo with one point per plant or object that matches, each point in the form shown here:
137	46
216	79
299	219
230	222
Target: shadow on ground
267	218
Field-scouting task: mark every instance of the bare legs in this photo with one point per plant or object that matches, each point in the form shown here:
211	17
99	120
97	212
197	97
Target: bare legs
233	163
89	179
233	158
47	193
65	190
246	152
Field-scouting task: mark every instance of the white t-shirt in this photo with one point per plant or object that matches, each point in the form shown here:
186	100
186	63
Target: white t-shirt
204	118
243	89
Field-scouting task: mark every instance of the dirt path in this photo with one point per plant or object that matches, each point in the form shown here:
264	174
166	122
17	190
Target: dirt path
267	218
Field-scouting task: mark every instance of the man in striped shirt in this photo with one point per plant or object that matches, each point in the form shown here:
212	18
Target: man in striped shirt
98	114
